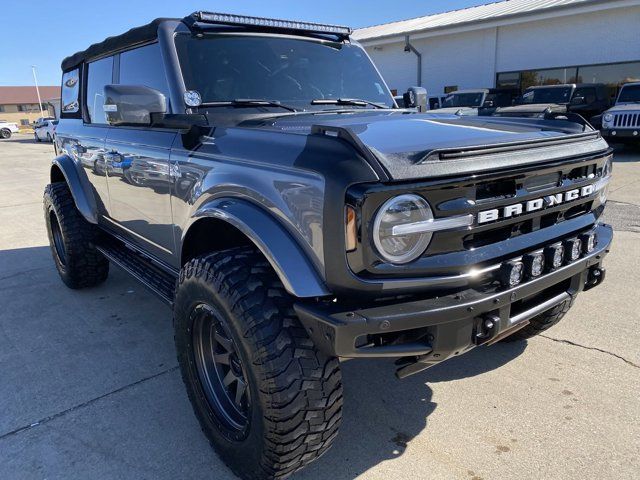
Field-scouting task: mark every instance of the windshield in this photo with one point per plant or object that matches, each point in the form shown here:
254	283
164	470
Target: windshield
546	95
463	100
629	94
294	72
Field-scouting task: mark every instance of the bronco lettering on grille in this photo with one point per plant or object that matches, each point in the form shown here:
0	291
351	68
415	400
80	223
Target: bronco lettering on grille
535	204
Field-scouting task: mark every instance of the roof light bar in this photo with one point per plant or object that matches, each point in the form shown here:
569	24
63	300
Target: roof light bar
228	19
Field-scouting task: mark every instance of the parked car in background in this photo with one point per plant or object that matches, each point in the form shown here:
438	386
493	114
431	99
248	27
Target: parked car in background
621	123
7	129
435	102
480	101
585	99
45	130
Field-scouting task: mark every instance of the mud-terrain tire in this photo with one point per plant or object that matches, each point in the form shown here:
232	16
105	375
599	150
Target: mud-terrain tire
5	133
71	238
232	306
542	322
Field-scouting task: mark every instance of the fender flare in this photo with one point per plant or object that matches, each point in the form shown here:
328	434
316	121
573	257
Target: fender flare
294	269
80	190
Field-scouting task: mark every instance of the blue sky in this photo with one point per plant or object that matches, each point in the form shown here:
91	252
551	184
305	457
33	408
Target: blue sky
42	32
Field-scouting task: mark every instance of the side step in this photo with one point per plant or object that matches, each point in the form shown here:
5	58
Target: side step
159	280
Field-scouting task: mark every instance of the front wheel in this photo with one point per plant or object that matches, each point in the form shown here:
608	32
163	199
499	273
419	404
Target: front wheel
5	133
542	322
267	399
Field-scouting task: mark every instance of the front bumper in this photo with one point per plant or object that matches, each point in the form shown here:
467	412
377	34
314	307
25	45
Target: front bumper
441	327
613	134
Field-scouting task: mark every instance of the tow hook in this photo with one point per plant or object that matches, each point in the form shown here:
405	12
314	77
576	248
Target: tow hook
594	277
486	328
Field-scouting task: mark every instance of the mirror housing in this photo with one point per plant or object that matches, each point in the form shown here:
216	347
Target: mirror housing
416	97
132	104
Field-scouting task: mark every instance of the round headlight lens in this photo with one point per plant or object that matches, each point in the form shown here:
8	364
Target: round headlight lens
608	117
401	210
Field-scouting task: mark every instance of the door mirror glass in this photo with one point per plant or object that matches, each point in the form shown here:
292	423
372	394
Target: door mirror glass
132	104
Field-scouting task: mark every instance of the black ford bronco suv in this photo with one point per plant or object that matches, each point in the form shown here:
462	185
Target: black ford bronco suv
257	175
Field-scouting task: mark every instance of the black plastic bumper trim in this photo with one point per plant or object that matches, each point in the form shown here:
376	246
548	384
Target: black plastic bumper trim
335	330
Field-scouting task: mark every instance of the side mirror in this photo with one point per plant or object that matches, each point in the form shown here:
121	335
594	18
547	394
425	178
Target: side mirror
578	101
416	97
132	104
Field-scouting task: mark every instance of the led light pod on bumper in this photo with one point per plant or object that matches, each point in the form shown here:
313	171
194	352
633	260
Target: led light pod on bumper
511	274
402	210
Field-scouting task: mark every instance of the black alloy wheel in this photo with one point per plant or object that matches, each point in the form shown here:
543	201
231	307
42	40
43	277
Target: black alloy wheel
220	369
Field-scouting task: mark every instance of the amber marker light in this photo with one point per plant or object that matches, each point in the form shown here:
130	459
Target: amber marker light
351	237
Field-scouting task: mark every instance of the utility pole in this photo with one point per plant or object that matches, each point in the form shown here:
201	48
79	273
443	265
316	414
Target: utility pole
35	79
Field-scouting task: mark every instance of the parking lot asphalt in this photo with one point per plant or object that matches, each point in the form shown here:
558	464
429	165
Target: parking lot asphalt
89	386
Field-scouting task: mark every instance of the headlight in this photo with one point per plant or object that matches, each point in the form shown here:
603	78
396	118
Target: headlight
608	117
401	210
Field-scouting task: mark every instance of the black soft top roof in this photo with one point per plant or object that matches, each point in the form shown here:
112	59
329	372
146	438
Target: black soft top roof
145	33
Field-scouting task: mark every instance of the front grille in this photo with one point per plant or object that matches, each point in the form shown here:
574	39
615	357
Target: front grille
453	251
626	120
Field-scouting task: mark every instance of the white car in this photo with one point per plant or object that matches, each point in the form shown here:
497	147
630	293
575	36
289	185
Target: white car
45	130
621	123
7	129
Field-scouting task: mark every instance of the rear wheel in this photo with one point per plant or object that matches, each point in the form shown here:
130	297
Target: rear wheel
49	137
5	133
542	322
71	238
267	399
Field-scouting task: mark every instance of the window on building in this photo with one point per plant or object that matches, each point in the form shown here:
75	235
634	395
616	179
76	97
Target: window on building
450	88
24	108
612	75
1	108
144	66
24	121
70	92
99	74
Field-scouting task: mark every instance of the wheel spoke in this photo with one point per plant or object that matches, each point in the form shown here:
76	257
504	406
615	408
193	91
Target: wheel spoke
224	342
222	358
241	387
229	378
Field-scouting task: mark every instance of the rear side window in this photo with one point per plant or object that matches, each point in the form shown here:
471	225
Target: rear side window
70	93
100	73
144	66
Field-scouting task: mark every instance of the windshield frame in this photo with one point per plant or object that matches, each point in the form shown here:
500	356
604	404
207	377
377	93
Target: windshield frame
309	108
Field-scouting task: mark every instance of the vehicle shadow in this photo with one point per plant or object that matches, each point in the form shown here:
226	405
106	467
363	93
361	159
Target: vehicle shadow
383	414
23	139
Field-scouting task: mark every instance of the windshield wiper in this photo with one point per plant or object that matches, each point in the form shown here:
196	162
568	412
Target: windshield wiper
249	102
357	102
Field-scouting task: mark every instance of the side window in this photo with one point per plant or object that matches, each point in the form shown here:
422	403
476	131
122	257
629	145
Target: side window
99	74
70	92
144	66
589	94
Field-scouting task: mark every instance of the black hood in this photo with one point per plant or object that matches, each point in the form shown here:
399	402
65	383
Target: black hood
409	145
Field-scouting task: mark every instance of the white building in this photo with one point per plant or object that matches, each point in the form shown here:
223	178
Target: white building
510	43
